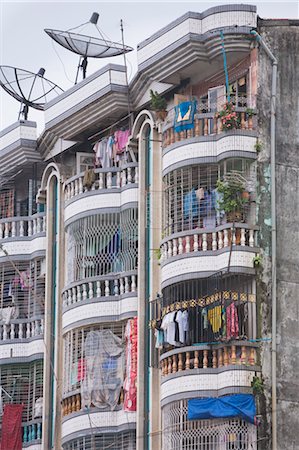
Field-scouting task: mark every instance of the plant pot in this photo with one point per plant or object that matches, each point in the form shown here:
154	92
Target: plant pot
250	123
245	195
161	114
234	216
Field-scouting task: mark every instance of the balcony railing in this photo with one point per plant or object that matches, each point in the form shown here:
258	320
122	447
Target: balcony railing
72	403
21	329
205	123
96	287
204	357
22	226
104	179
31	432
201	240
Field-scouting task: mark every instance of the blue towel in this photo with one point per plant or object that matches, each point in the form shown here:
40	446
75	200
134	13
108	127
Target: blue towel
184	116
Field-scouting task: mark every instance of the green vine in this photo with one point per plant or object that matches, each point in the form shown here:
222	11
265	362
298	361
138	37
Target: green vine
257	386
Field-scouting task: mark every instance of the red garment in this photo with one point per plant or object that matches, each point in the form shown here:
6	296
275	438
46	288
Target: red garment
130	398
12	427
232	322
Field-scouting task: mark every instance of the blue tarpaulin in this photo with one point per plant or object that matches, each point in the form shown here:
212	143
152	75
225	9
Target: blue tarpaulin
238	405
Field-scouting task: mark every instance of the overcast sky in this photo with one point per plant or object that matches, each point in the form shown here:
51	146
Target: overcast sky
24	44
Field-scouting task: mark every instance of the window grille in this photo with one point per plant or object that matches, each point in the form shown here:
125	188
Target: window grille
22	287
74	351
199	181
102	244
116	441
179	433
195	289
24	383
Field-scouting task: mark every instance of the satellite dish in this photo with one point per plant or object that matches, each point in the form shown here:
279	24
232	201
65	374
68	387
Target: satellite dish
88	46
30	89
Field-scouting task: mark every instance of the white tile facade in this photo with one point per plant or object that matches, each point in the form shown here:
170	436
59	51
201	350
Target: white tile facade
24	247
202	263
101	309
208	149
206	382
196	26
22	350
100	201
99	420
20	132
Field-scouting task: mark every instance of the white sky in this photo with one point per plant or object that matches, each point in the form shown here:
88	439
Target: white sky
24	44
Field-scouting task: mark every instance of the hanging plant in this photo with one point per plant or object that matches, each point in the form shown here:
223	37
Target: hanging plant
228	117
257	261
257	386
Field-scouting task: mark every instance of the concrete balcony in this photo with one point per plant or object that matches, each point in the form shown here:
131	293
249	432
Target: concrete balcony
201	253
23	236
194	38
112	189
212	370
77	423
21	339
207	143
99	299
18	147
99	97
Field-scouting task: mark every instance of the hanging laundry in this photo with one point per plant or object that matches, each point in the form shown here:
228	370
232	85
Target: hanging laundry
214	316
183	324
232	322
12	427
190	205
130	389
168	326
184	116
121	139
103	151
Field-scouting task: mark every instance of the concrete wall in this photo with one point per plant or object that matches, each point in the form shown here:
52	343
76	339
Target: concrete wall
283	39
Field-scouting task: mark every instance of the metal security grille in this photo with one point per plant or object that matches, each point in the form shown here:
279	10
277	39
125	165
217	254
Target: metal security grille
116	441
22	289
24	384
179	433
102	244
199	181
74	351
195	289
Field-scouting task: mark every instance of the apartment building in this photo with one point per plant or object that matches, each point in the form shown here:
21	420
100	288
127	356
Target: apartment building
136	248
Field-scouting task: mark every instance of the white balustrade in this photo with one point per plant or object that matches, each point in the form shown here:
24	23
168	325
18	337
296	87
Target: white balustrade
202	241
99	288
15	329
21	227
103	180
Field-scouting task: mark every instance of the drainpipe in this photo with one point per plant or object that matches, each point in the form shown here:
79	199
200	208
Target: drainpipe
273	234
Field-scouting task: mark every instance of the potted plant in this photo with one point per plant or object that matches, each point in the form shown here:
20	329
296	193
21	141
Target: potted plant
228	117
158	104
232	199
250	113
257	261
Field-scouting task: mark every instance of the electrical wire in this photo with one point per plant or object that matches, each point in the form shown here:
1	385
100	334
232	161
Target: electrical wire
65	73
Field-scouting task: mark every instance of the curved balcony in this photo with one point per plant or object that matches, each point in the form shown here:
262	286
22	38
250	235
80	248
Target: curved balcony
211	369
32	435
100	299
21	338
118	184
203	252
23	235
77	423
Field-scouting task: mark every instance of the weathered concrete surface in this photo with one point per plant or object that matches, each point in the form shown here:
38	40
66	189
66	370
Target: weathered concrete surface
283	39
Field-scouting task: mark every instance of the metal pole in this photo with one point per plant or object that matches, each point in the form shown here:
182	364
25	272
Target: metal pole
127	80
225	66
273	235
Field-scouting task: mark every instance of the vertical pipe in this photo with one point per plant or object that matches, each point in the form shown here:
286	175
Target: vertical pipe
273	235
